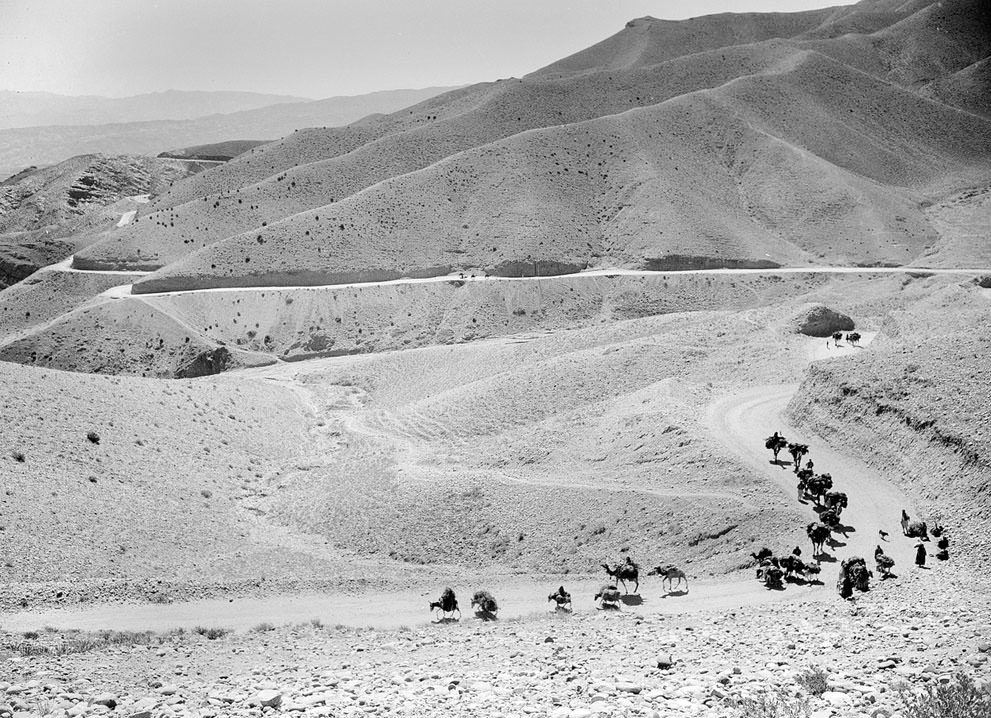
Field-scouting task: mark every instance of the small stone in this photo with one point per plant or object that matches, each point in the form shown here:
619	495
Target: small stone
105	699
268	698
664	661
837	699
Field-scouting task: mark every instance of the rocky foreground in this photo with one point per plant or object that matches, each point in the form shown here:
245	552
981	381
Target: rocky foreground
907	633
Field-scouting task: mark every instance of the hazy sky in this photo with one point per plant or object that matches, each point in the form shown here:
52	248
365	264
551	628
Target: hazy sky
312	48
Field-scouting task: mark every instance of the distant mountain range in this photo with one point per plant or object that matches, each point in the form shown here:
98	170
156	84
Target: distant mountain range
63	127
34	109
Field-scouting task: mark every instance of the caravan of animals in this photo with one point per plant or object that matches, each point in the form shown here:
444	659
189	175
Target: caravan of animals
772	571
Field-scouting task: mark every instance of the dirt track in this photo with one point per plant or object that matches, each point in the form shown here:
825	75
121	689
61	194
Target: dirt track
739	421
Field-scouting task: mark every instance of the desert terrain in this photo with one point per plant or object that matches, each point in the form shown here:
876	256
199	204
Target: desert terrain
260	411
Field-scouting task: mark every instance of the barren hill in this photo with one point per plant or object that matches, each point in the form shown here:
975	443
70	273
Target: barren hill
45	214
844	117
762	171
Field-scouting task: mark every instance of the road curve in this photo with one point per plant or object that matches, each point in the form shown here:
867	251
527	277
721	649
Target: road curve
740	421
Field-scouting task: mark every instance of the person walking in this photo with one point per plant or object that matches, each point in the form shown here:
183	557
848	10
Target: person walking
920	554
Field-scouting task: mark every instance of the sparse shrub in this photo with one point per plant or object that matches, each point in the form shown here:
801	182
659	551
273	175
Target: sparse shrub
771	705
206	493
316	622
31	635
960	698
18	456
93	437
212	633
263	627
813	680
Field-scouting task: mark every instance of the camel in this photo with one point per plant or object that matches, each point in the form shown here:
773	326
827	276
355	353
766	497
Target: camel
817	533
485	604
797	451
624	572
775	443
608	597
914	529
836	500
792	565
448	603
836	338
853	574
832	520
561	599
853	338
770	575
764	553
819	485
883	562
669	573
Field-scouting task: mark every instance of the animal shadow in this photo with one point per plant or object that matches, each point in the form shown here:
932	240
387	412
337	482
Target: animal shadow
679	592
631	599
833	543
485	615
609	607
826	557
444	621
890	575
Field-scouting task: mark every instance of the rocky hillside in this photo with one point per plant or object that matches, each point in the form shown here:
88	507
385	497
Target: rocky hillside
821	134
916	406
45	214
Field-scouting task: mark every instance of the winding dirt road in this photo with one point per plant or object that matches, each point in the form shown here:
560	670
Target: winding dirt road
739	421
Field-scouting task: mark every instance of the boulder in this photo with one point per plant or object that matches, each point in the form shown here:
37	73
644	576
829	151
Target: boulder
207	363
818	320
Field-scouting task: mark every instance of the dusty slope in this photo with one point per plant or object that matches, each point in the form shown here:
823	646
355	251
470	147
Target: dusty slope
362	155
46	214
304	323
158	497
916	406
770	169
942	40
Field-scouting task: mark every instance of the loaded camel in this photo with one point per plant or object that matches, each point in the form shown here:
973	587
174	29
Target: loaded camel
818	486
485	605
798	452
770	574
762	555
835	500
817	533
448	603
669	573
561	599
624	572
853	574
832	520
914	529
608	597
853	338
794	566
775	443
